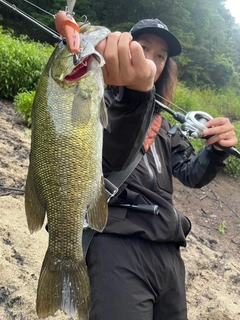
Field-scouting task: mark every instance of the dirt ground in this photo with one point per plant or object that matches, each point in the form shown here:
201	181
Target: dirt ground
212	259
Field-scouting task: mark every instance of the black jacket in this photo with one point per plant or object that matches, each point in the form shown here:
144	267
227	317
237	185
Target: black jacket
130	114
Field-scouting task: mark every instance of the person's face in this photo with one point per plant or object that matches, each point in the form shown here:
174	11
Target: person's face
155	49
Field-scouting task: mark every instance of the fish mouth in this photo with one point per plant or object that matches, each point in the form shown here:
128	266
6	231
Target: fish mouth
78	72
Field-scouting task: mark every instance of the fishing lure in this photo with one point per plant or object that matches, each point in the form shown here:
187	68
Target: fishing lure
68	29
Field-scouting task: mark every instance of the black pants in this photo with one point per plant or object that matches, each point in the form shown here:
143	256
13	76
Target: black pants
135	279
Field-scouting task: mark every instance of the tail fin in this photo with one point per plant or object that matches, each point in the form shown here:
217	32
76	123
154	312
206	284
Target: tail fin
63	285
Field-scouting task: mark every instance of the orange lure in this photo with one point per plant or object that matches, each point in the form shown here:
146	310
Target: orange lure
69	29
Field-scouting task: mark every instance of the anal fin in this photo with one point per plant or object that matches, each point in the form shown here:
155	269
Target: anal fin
98	212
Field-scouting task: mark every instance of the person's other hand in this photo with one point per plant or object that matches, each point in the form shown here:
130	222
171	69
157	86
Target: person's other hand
221	131
125	63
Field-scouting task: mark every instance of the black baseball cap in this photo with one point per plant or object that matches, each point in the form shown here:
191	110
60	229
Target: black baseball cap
155	26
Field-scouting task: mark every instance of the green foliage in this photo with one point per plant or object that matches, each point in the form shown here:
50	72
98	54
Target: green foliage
213	54
21	63
225	102
229	102
23	103
222	227
198	144
222	71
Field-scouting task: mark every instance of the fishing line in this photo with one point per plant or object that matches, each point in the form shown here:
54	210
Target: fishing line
170	102
30	18
34	5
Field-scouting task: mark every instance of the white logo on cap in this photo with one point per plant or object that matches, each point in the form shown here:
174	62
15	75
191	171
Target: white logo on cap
161	25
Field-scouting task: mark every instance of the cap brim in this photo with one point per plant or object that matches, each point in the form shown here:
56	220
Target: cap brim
174	46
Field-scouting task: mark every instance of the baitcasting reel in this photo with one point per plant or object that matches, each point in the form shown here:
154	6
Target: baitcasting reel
194	123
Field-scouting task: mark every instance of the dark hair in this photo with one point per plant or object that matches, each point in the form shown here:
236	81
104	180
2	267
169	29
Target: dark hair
166	84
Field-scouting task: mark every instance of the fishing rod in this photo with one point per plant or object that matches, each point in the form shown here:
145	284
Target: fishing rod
38	23
193	124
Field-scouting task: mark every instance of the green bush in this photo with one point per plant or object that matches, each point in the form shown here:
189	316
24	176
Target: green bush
21	63
23	102
225	102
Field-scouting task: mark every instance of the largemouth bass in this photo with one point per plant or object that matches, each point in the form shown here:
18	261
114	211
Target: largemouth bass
65	178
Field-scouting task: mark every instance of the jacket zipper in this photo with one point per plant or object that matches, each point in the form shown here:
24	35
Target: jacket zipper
156	157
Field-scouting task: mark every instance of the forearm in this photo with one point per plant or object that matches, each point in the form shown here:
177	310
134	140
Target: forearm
201	169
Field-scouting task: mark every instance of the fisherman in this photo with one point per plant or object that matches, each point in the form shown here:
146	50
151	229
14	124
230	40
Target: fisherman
135	267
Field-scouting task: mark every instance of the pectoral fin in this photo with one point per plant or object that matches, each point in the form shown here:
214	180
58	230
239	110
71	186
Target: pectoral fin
35	211
81	108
